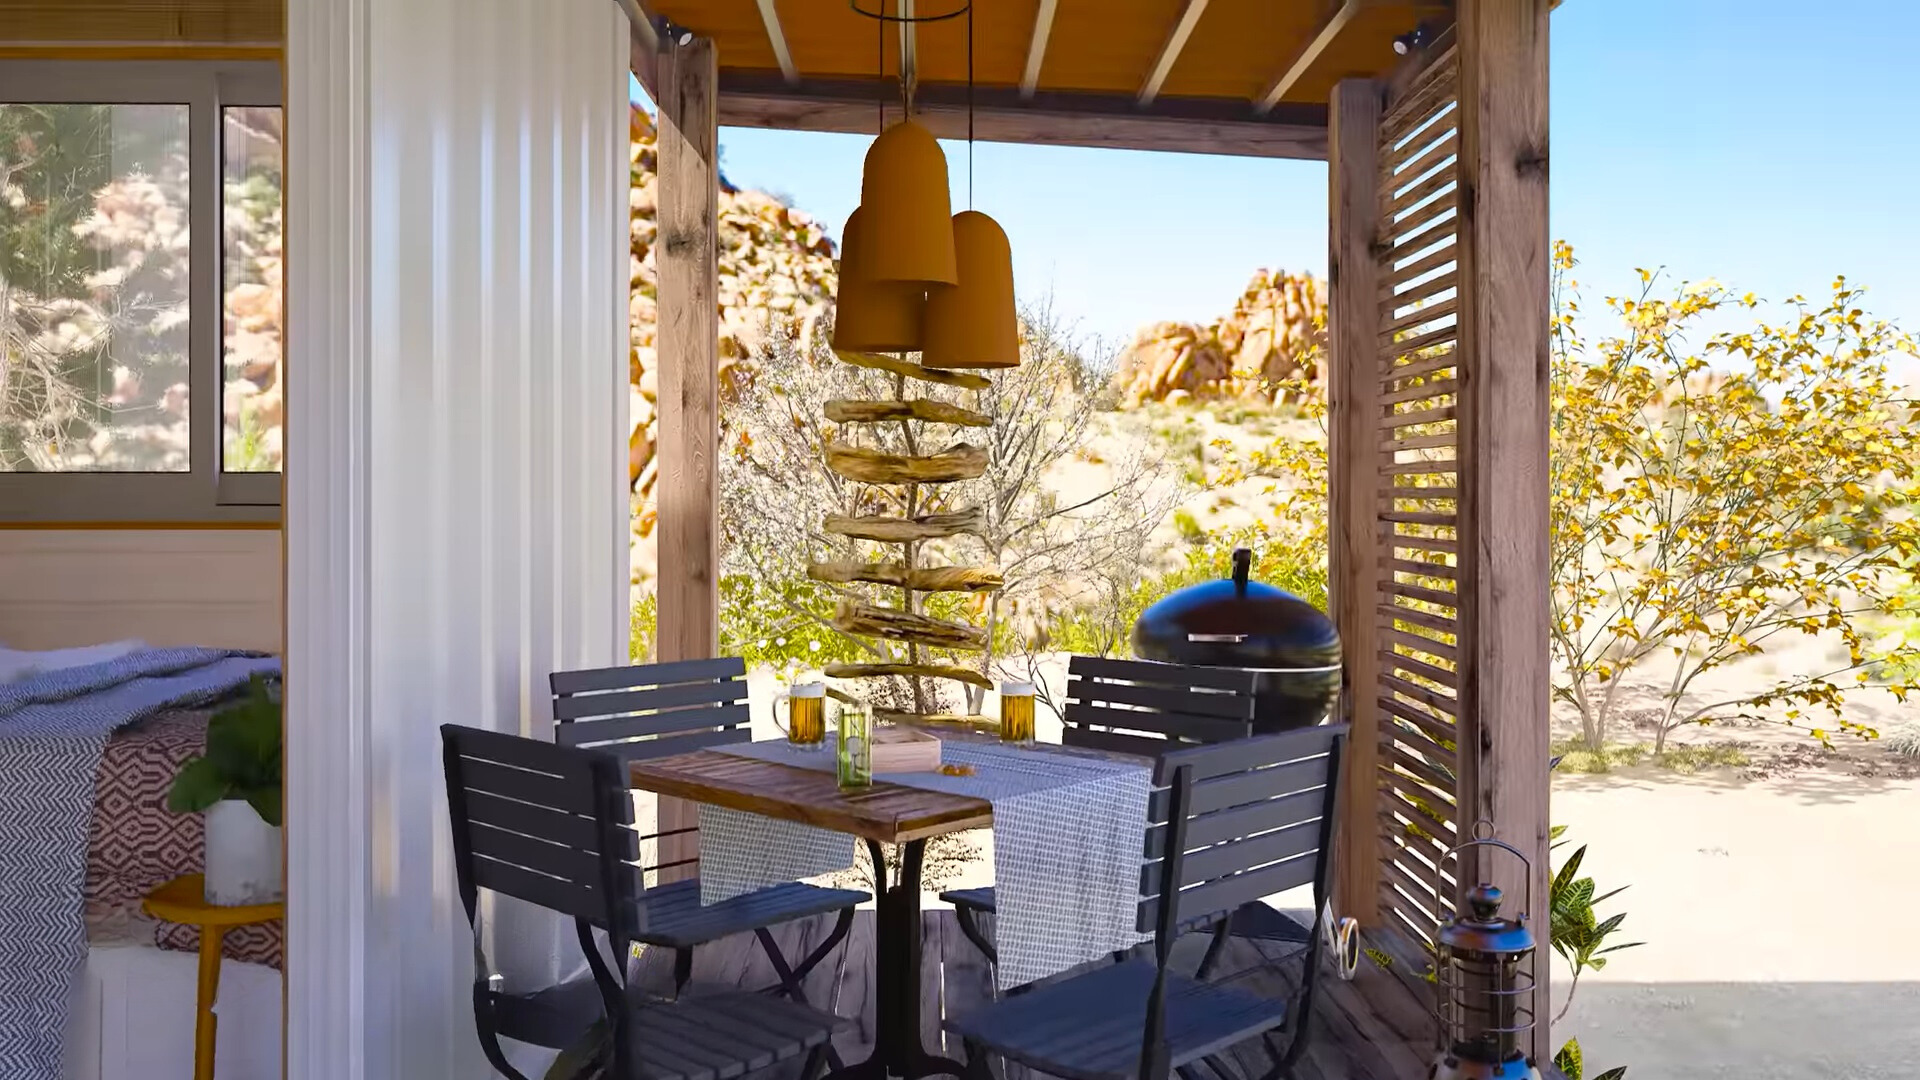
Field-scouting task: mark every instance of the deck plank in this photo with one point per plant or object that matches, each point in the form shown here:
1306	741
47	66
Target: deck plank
1373	1028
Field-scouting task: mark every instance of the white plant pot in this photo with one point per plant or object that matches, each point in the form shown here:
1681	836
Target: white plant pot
243	856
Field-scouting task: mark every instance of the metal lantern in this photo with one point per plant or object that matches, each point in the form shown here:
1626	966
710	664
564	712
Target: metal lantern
1486	1001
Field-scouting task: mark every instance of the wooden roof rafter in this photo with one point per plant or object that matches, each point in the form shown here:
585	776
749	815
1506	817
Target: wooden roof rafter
1170	52
1329	30
1037	47
777	39
909	45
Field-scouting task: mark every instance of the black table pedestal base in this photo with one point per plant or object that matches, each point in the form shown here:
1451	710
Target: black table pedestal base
897	1051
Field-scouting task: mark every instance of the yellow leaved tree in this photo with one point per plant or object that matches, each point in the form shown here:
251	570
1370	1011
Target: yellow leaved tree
1712	501
1708	501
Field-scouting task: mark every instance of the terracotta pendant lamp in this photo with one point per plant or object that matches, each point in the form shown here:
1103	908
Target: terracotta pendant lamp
903	194
973	324
869	315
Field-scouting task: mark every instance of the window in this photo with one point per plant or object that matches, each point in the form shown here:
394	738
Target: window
140	295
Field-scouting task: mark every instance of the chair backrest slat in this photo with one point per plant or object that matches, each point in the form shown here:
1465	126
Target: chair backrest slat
653	710
1258	820
547	824
657	735
665	700
1139	707
592	680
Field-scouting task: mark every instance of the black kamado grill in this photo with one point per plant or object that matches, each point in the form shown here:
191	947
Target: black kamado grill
1244	624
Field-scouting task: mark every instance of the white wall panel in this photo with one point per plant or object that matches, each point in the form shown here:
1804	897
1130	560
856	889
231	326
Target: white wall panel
456	508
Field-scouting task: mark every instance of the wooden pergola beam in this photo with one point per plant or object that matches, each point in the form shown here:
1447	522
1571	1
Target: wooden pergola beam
1170	51
687	267
1037	47
1002	114
1303	61
777	38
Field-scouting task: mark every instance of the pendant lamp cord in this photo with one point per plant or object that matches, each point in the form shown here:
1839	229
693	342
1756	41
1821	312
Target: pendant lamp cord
880	66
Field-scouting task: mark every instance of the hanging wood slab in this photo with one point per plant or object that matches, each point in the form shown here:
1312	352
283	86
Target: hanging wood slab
926	579
841	411
865	620
957	462
931	671
892	530
893	365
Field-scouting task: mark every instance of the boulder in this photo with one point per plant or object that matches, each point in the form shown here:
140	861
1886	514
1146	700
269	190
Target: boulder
1272	335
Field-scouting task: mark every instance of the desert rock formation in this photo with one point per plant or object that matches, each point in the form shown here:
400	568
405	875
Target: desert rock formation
1272	334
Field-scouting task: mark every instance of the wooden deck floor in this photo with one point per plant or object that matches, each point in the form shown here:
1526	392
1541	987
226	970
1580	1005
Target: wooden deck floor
1376	1027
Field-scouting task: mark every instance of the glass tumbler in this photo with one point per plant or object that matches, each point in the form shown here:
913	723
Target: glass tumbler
853	760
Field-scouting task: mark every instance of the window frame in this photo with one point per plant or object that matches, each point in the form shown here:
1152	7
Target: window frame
204	493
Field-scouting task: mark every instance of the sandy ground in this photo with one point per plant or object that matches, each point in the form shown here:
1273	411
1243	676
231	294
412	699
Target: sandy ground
1775	900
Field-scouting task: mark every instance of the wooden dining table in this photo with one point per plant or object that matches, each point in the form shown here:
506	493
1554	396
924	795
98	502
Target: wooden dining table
883	813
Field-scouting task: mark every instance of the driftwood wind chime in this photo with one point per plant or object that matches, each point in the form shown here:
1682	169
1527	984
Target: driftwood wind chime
916	278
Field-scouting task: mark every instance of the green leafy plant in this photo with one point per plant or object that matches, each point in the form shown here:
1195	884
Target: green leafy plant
1569	1061
1577	933
242	759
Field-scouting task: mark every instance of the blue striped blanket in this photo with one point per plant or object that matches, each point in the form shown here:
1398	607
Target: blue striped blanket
53	728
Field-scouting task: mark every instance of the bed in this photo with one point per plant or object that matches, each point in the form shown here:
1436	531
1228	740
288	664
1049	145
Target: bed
91	988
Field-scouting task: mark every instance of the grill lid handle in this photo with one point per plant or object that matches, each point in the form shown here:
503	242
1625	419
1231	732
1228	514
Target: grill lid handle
1242	566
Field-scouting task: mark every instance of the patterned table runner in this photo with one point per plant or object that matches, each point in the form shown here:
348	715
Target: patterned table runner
1066	839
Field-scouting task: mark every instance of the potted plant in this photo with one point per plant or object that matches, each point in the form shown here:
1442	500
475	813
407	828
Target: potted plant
236	783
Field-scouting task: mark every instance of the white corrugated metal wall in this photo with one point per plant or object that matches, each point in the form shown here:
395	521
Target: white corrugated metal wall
456	510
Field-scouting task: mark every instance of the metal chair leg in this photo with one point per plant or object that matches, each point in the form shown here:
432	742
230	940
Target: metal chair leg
793	979
979	1063
970	927
682	970
1215	949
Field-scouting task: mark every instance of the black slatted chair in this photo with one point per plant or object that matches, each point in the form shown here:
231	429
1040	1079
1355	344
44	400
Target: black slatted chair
655	710
1145	709
1227	824
552	826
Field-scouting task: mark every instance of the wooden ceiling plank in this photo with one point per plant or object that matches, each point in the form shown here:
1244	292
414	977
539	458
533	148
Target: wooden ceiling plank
1170	52
1037	47
777	38
1310	52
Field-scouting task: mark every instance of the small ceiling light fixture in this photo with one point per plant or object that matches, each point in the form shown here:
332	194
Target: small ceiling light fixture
679	35
1411	40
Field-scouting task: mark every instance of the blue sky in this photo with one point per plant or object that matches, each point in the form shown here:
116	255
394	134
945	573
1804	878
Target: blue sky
1768	143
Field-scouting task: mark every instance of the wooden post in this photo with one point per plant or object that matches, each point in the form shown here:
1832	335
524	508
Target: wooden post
688	272
1505	297
1353	476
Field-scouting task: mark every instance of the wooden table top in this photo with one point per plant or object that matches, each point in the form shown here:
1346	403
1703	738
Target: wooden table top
888	813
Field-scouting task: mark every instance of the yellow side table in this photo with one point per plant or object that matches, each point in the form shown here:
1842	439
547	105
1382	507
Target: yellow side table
183	900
